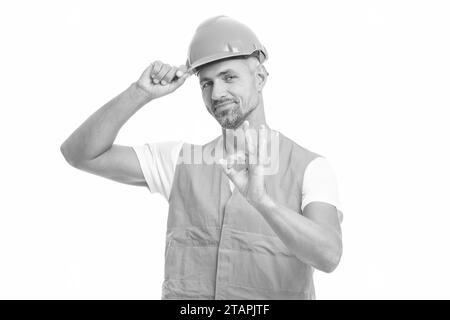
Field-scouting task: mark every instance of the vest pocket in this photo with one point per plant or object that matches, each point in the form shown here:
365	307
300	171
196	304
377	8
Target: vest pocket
263	262
191	254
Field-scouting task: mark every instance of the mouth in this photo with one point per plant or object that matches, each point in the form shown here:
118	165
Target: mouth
223	107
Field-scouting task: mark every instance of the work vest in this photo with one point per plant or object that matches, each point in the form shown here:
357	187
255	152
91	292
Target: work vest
220	247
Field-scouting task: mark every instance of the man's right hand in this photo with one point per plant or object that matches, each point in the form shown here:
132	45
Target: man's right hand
160	79
91	146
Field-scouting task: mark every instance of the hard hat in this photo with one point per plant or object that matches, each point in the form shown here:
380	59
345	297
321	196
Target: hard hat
222	37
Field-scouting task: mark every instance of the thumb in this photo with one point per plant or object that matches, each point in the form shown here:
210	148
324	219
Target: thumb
179	81
228	169
237	177
182	69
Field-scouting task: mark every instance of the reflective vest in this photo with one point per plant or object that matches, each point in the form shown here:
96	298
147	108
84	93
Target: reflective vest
220	247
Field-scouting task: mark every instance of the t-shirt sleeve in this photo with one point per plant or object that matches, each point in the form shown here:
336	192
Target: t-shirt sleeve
158	162
320	184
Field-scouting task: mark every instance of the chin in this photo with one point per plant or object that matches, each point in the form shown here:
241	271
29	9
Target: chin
230	124
232	119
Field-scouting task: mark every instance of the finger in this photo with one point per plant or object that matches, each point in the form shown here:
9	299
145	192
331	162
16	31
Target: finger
235	158
156	67
147	72
239	178
262	145
177	82
169	76
164	70
250	143
181	71
237	169
235	161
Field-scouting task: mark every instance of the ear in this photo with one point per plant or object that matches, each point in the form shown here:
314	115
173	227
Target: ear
261	77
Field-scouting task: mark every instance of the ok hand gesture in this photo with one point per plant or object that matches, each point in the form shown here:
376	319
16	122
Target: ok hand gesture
250	179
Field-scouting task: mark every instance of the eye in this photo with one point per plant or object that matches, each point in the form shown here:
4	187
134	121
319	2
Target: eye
228	78
205	85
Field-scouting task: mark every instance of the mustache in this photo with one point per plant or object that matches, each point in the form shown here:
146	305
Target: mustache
217	103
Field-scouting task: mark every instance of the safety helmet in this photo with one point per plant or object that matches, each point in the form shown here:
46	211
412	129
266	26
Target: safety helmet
222	37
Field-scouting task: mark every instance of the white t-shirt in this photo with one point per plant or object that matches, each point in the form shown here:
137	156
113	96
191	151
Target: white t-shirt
158	162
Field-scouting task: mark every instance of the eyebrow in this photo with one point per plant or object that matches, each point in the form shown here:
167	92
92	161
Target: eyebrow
219	74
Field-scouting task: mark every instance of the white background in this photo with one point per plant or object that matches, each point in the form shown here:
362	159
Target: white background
364	83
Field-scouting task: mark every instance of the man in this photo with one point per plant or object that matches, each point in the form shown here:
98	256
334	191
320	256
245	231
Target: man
242	224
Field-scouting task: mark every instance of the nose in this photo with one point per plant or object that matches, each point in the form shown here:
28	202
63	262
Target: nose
218	91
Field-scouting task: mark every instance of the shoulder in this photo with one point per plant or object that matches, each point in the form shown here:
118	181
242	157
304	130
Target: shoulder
296	151
320	165
320	183
191	153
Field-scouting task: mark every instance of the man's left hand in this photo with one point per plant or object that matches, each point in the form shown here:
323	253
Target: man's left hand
249	179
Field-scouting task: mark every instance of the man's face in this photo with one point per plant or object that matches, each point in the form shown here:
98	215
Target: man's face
229	90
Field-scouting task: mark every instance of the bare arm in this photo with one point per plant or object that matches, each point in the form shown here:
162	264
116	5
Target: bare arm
314	237
90	147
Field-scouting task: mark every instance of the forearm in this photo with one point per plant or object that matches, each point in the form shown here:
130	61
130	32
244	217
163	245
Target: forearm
97	134
310	242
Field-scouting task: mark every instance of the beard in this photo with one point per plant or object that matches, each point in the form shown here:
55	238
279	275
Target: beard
233	118
230	119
